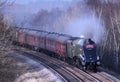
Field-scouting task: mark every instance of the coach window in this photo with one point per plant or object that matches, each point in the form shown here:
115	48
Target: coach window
52	44
62	47
42	40
49	42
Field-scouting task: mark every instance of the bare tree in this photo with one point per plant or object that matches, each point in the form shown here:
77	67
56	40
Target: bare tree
6	3
6	35
6	31
109	48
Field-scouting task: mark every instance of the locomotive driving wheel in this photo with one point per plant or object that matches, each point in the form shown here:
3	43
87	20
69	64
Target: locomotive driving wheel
94	68
84	65
77	63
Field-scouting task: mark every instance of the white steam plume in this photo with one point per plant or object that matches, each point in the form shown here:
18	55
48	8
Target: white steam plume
81	20
88	26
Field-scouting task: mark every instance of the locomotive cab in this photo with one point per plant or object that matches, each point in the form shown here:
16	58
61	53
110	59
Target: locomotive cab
87	56
91	58
90	52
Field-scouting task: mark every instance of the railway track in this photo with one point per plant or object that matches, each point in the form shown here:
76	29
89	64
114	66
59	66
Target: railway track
70	73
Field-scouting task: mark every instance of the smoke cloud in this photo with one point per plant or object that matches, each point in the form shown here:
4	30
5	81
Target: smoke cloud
88	26
69	17
81	20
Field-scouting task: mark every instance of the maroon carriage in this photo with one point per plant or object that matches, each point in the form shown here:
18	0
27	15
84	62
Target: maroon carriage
51	42
57	43
21	37
32	38
61	45
42	39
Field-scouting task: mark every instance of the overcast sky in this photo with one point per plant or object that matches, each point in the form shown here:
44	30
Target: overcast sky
44	4
26	8
39	1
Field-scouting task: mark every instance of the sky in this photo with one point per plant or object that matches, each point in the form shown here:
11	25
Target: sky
43	4
25	1
26	8
38	1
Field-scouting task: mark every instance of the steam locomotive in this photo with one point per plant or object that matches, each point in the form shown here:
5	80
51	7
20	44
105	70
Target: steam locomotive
62	46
